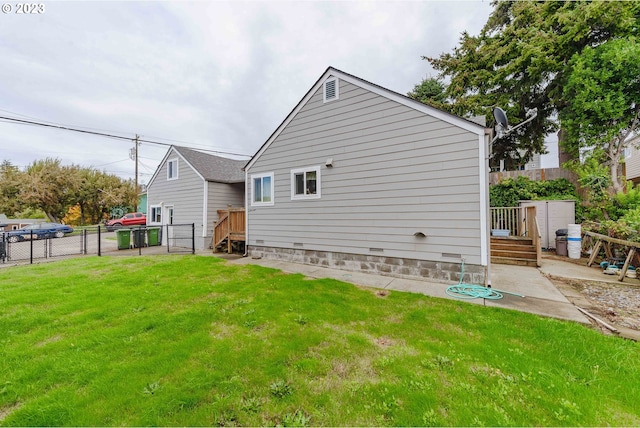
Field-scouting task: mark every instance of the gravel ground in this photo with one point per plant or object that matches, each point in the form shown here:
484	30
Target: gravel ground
617	304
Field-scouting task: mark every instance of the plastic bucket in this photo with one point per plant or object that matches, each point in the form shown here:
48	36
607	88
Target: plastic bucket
574	241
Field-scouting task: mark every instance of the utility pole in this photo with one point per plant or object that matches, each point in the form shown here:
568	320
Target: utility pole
135	159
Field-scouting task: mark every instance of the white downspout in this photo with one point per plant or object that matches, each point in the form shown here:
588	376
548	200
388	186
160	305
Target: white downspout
205	210
485	172
246	214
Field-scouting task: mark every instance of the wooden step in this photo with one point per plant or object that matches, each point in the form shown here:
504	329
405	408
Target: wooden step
511	240
529	255
506	247
514	261
513	250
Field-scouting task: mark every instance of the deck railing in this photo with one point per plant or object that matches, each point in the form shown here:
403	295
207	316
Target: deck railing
230	226
509	218
519	221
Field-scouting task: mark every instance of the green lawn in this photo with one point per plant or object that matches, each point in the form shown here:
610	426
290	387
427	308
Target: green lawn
193	341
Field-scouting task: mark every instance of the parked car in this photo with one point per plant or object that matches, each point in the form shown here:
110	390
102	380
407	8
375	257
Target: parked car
131	219
38	231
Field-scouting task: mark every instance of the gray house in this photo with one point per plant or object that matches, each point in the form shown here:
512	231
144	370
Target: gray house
365	179
190	187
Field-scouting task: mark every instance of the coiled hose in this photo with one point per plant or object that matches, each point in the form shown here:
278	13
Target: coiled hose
472	291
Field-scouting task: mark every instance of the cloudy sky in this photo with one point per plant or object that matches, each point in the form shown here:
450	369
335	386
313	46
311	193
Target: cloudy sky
212	75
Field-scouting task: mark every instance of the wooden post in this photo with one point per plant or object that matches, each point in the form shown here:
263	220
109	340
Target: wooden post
595	252
632	252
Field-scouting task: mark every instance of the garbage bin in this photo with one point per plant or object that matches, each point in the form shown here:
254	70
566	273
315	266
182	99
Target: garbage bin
153	236
561	242
139	237
124	239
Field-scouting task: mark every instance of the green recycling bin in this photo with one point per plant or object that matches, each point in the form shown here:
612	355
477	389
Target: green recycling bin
152	236
124	239
139	237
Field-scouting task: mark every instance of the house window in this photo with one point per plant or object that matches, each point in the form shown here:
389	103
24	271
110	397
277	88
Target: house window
156	214
330	90
172	169
262	189
305	183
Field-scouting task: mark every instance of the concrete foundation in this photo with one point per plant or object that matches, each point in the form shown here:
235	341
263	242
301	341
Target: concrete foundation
379	265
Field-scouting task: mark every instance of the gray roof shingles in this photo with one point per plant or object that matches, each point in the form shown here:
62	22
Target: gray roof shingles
214	168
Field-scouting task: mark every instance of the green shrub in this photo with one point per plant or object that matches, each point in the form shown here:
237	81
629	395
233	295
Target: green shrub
510	191
627	229
624	202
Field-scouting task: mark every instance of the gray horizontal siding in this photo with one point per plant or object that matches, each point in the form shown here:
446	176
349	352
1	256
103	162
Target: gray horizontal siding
220	196
396	172
186	194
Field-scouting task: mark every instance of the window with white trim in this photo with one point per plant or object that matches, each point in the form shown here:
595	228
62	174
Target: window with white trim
330	90
262	189
172	169
156	214
305	183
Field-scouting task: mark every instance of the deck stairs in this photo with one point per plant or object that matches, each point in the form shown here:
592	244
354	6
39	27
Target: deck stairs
513	250
515	236
229	231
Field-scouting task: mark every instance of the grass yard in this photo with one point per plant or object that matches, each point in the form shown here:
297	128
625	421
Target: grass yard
194	341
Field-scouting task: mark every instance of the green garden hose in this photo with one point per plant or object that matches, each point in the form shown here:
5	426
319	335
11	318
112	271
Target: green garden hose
472	291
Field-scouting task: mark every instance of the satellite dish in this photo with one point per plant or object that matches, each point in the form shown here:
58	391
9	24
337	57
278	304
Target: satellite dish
502	123
501	117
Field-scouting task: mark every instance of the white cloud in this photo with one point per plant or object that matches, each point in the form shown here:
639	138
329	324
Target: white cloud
216	74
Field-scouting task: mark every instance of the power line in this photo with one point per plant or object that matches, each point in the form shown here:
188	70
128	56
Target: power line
104	134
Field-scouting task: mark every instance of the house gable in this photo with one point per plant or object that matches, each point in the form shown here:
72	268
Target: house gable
332	74
161	173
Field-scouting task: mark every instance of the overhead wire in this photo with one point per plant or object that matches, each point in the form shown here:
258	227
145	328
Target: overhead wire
105	134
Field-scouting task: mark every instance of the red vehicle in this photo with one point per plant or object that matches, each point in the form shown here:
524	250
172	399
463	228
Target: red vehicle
131	219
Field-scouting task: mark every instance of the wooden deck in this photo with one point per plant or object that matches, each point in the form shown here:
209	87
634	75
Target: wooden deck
523	245
229	229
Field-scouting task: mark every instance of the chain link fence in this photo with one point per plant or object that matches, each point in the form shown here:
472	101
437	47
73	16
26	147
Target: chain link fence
96	240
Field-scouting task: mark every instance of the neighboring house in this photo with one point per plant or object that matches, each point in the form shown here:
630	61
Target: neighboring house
17	223
189	187
632	164
142	202
537	161
365	179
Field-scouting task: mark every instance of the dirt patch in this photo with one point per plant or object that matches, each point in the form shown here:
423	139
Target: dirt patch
384	342
616	304
53	339
6	411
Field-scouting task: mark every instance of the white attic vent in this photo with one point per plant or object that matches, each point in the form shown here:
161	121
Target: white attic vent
330	89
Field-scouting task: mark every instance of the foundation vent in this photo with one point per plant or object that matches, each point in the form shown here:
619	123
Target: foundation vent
451	256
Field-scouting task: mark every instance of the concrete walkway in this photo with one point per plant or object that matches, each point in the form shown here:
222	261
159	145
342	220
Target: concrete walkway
541	297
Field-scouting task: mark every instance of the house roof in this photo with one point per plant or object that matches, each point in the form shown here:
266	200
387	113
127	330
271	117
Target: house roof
208	167
213	168
461	122
5	220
